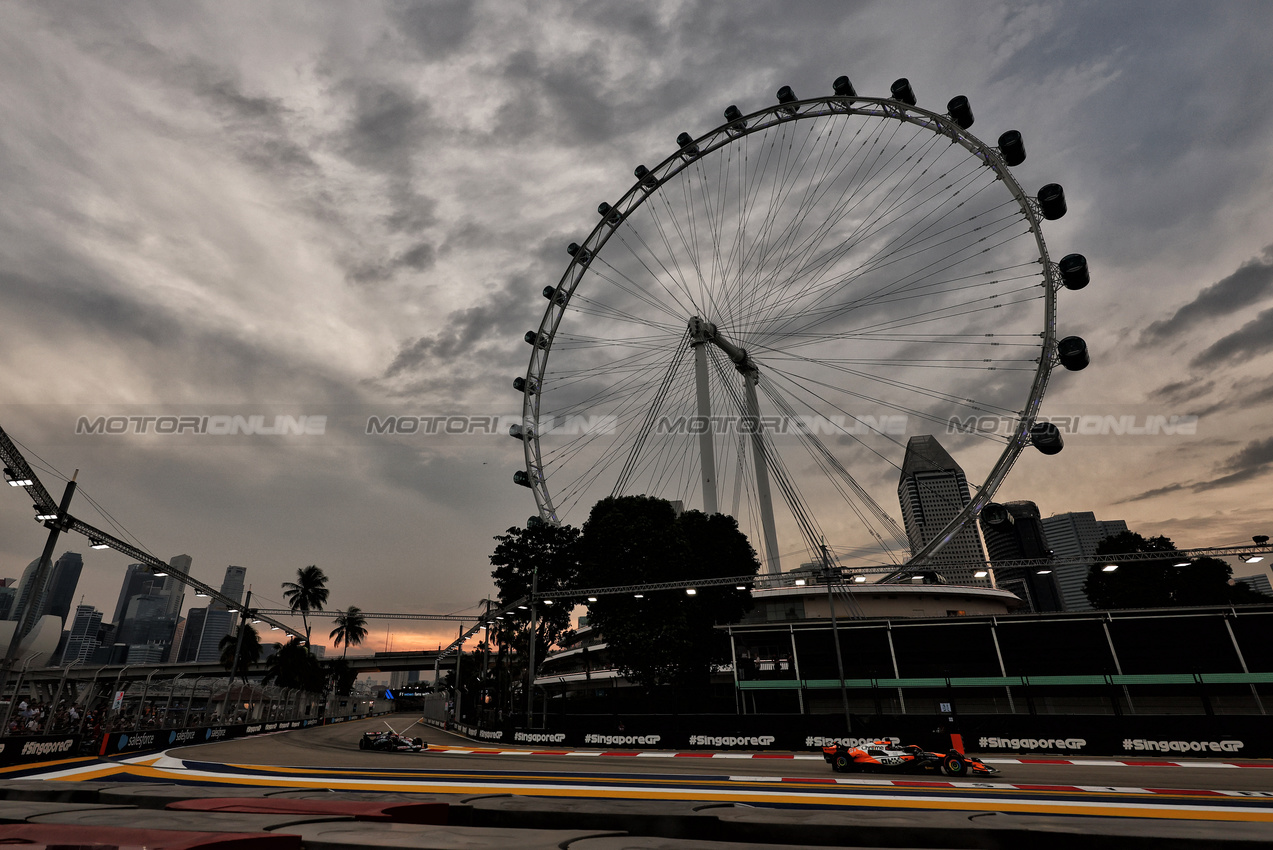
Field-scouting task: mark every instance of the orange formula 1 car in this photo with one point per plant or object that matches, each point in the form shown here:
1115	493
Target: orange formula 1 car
887	757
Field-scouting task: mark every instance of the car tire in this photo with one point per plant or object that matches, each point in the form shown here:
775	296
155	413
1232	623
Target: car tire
954	765
841	763
362	743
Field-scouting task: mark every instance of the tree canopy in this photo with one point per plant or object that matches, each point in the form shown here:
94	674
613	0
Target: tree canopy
521	553
249	651
1159	583
292	666
308	593
666	637
351	629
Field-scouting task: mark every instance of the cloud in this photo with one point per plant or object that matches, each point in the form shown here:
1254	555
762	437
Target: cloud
1251	461
1252	340
1252	282
1151	494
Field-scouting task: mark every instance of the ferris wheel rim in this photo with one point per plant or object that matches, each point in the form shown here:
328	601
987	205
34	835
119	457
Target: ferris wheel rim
726	134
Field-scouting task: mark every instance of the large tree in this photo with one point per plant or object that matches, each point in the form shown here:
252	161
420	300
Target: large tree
351	629
291	665
544	555
665	637
1159	583
307	594
249	652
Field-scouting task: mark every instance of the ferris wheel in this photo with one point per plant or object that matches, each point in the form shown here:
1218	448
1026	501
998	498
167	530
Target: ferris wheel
760	323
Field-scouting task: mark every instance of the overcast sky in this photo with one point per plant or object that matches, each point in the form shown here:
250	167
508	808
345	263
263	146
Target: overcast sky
349	208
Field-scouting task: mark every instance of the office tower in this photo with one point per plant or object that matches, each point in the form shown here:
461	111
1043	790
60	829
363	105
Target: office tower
56	594
1076	535
932	490
63	580
137	581
219	621
83	640
1259	583
1013	531
146	620
174	588
188	649
178	635
8	593
25	586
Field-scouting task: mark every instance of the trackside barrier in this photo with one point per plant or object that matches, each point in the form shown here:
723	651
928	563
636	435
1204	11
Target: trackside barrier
147	740
25	748
1225	737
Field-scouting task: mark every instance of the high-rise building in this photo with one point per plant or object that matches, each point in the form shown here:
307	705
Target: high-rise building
1259	583
173	587
1013	531
25	587
219	621
932	490
56	592
146	620
61	587
83	640
1076	535
188	648
8	593
138	581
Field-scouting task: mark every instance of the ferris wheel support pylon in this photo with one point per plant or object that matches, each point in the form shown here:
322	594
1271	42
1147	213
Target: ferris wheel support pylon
706	440
702	333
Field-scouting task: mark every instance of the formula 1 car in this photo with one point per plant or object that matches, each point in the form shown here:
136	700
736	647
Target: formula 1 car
391	742
887	757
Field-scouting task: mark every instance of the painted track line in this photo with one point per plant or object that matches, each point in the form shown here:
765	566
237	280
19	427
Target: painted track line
657	754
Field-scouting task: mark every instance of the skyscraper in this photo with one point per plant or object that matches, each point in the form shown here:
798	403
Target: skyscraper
219	621
83	638
1014	532
932	490
1076	535
174	588
58	590
137	581
61	587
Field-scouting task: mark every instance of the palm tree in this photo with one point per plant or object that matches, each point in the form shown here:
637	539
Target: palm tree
292	666
308	593
351	628
249	652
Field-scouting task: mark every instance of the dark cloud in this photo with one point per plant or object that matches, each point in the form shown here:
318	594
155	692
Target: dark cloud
1250	341
1180	392
1251	283
437	28
1150	494
1251	461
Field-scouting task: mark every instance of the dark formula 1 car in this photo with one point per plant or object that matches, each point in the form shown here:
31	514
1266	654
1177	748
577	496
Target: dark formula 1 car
391	742
887	757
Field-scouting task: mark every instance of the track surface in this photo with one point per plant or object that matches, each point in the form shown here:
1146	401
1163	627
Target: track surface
328	757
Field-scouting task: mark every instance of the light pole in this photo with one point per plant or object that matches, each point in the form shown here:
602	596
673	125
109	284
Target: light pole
27	617
530	660
238	647
835	636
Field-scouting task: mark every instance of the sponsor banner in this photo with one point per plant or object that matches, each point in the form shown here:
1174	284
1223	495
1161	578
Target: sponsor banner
17	750
1034	745
725	742
817	742
1140	745
1170	737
